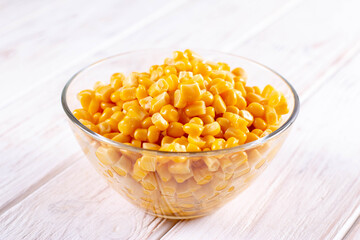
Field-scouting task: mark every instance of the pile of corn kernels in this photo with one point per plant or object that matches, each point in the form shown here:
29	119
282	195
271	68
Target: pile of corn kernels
186	104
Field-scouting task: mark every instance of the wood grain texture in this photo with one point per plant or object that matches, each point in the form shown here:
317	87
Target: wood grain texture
58	177
354	231
313	185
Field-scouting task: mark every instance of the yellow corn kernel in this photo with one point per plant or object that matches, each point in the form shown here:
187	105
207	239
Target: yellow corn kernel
185	76
146	123
193	129
199	79
241	88
207	119
151	146
202	68
202	175
128	125
105	105
180	167
141	134
260	123
113	124
219	143
247	116
190	92
85	98
127	94
237	121
219	104
136	143
148	163
207	97
145	103
210	111
118	116
249	90
282	107
274	98
256	109
226	164
211	129
159	101
229	97
219	135
104	127
94	106
137	112
233	109
90	125
240	101
220	86
110	135
159	121
107	113
257	131
82	114
131	80
237	133
168	188
120	137
123	166
158	87
179	99
175	130
167	140
253	97
192	148
268	89
169	113
149	182
172	82
127	105
107	156
146	81
141	92
163	172
153	134
209	139
170	70
195	109
239	72
103	93
224	123
115	96
251	137
96	117
196	120
138	173
196	140
180	178
212	163
266	132
270	115
231	142
116	80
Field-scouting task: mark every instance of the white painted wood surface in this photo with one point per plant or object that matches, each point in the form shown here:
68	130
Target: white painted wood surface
49	191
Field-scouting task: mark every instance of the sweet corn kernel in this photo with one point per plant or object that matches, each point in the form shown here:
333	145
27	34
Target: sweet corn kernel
211	129
237	133
105	105
195	109
193	129
196	140
207	119
153	134
90	125
175	130
260	123
271	116
219	104
219	143
251	137
107	113
169	113
148	163
179	99
121	138
85	98
231	142
128	125
103	93
82	114
159	101
256	109
151	146
190	92
159	121
141	134
107	156
229	97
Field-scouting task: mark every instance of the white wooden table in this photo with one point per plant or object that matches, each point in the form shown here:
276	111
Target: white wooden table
48	190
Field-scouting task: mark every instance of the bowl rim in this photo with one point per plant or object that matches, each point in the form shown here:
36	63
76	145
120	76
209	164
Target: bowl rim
123	146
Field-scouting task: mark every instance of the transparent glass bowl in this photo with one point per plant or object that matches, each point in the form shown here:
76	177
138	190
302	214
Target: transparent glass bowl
177	196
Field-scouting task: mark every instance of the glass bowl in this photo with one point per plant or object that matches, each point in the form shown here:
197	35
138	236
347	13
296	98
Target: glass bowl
180	195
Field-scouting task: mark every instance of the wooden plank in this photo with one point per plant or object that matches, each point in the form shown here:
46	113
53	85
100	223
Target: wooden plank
68	208
354	232
313	186
30	168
